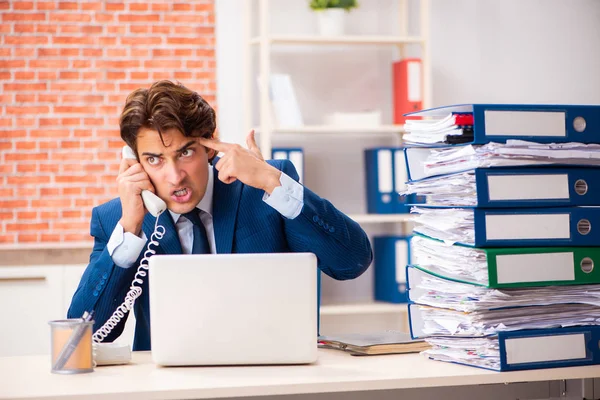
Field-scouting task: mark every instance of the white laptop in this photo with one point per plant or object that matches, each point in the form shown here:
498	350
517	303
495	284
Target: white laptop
227	309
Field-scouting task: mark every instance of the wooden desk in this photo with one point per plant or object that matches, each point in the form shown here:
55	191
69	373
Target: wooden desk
29	377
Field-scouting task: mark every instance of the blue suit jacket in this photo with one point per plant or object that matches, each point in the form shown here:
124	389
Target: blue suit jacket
243	223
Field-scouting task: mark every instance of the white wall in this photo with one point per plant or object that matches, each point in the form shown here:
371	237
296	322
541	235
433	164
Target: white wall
537	51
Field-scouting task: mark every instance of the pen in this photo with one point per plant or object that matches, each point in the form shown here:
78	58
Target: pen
73	341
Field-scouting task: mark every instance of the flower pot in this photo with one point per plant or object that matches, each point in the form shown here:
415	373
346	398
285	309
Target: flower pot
331	21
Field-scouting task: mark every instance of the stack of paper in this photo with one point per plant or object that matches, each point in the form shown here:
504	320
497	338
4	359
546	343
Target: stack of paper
388	342
448	190
480	352
446	160
453	128
451	225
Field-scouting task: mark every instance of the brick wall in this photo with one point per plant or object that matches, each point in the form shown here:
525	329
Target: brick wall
65	70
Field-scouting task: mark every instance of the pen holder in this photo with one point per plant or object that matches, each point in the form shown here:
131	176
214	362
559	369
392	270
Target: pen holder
71	342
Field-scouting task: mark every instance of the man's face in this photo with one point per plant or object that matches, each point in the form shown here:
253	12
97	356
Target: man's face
178	171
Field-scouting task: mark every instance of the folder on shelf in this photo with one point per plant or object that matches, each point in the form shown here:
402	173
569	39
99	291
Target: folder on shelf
542	123
512	187
388	342
525	227
385	177
294	154
522	350
423	162
407	84
507	267
391	255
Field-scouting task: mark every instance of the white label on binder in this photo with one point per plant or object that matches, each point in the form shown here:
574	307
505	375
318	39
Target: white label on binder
297	159
413	70
384	164
400	170
525	123
541	267
528	187
527	226
545	348
280	155
401	260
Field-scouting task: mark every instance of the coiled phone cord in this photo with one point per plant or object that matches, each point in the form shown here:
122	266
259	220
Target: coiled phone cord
134	291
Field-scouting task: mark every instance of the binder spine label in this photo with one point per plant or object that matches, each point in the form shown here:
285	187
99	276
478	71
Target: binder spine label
401	260
536	349
384	166
542	267
528	187
525	123
400	170
527	226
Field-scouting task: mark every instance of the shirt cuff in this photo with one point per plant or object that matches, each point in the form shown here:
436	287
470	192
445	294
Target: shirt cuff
287	199
125	247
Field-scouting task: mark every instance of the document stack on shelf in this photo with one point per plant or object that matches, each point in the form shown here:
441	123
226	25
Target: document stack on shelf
505	265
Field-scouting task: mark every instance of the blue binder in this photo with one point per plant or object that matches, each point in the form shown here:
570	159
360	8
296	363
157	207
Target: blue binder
506	187
533	122
294	154
533	227
392	254
385	175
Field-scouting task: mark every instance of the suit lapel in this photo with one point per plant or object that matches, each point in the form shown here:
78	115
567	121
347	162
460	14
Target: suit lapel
169	244
226	199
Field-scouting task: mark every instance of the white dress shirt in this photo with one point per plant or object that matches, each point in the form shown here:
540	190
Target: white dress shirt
125	247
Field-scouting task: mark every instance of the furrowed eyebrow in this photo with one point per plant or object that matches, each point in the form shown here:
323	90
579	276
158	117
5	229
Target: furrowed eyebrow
151	154
185	146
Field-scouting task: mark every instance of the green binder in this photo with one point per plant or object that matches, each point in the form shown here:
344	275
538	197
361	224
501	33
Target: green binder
511	267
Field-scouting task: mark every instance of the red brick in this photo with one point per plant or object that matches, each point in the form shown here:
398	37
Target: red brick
161	6
70	191
26	157
139	18
139	29
184	53
25	40
10	64
100	17
22	28
12	204
69	52
6	215
81	64
74	178
49	133
44	215
164	29
64	5
70	144
117	29
93	121
84	202
114	6
70	121
45	192
47	5
5	52
4	122
123	64
26	215
92	75
139	75
138	7
91	29
7	238
25	122
92	52
52	64
69	29
52	203
71	214
12	133
111	53
46	28
48	98
141	41
71	17
50	168
23	17
71	87
48	75
91	6
30	145
24	75
114	75
20	227
22	87
74	110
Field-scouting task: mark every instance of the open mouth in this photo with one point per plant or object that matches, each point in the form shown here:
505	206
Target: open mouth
181	195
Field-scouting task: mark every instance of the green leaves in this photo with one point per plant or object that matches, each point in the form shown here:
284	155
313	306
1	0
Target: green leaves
324	4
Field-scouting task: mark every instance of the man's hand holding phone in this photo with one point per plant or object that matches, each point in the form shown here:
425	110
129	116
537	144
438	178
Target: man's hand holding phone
132	179
246	165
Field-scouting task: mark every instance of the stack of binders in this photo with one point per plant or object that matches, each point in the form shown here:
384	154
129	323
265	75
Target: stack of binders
505	270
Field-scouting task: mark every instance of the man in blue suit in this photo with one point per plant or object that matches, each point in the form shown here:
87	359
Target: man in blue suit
239	204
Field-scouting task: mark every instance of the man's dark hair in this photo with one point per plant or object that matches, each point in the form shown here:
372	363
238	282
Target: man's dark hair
166	105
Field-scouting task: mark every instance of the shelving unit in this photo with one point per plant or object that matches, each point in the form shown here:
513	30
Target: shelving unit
266	43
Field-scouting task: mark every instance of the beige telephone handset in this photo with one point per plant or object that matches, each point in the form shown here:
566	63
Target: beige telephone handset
113	353
154	204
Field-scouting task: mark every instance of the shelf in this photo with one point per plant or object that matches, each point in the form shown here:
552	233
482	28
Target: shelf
338	129
350	40
378	218
363	308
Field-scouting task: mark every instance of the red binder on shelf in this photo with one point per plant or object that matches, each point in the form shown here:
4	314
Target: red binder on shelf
408	88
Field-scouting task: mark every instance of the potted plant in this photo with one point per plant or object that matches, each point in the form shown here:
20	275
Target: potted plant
331	15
